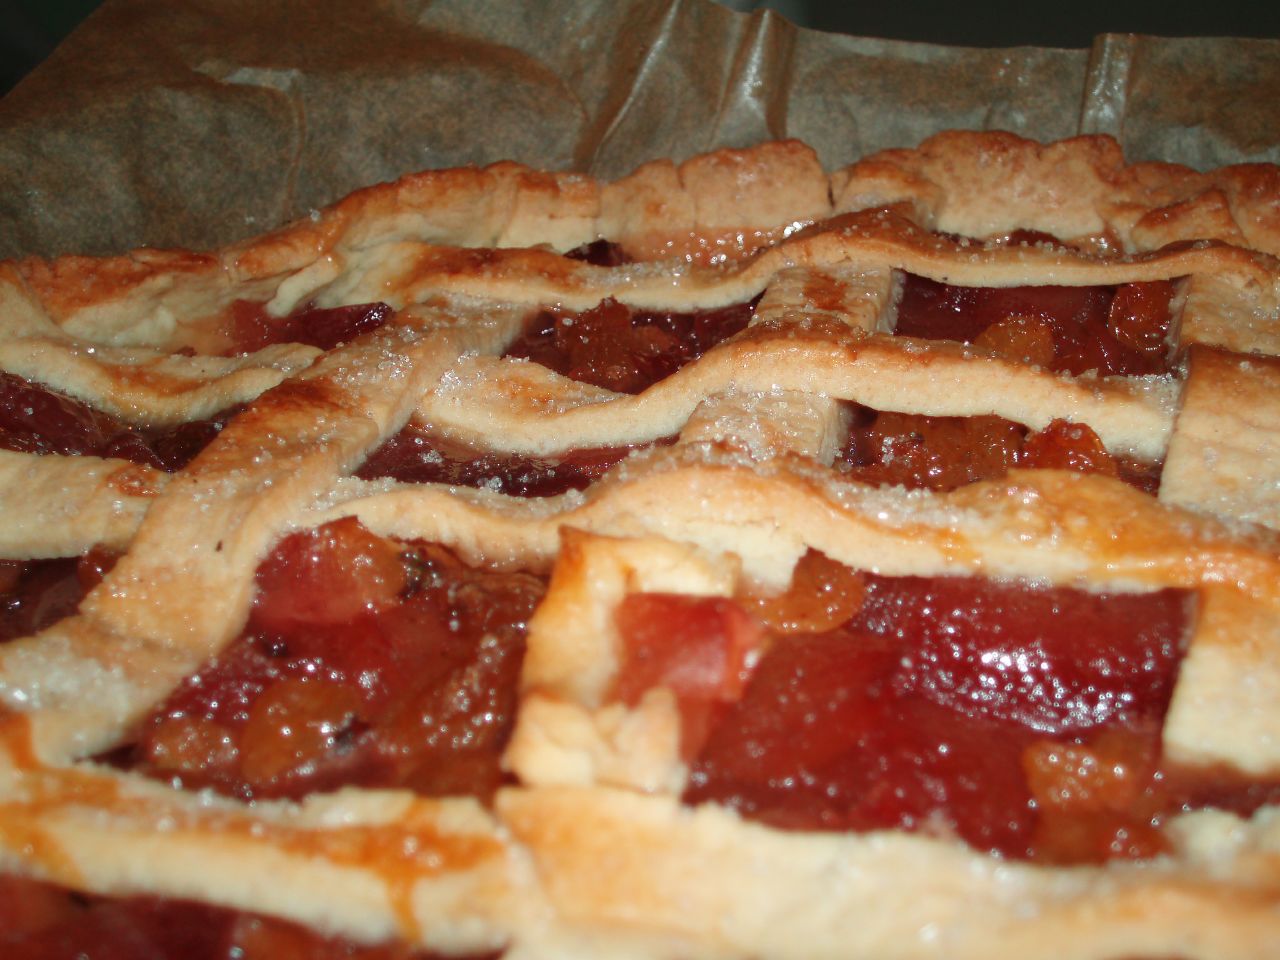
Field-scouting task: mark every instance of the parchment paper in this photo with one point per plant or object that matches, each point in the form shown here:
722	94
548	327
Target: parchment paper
198	123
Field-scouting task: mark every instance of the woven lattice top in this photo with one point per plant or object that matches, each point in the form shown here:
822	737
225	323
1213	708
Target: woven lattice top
589	851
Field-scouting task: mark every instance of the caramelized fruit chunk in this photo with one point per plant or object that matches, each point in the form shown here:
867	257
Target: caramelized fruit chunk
942	453
35	594
1074	446
1139	316
1024	720
1096	801
40	921
700	648
822	741
251	327
1068	446
933	453
36	420
823	594
294	723
1115	331
365	661
414	456
332	574
615	347
1021	339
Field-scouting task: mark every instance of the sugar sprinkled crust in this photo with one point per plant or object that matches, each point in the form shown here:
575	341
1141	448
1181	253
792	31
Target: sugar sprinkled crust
590	852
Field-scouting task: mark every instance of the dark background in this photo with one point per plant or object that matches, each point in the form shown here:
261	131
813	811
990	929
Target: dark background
1039	23
30	29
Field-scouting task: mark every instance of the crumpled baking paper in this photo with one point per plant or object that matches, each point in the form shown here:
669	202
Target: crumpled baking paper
201	123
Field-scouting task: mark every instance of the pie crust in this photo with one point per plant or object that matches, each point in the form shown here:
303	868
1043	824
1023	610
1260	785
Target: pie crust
590	852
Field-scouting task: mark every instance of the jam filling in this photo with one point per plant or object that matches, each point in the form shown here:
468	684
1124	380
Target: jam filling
251	328
415	456
365	662
40	921
35	594
600	253
1024	720
943	453
1115	331
36	420
618	348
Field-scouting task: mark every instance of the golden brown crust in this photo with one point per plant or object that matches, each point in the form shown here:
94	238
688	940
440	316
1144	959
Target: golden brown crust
682	882
589	852
1223	456
987	184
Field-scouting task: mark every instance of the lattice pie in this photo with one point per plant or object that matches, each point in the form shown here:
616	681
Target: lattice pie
734	560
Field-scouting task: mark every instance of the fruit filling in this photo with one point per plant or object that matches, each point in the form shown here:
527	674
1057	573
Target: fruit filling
600	253
943	453
365	662
618	348
414	455
40	921
1116	331
1022	719
35	594
250	327
34	419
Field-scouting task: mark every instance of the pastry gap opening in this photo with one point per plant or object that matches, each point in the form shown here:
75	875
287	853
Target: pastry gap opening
1021	718
1105	330
600	253
247	326
924	452
366	661
36	594
36	419
417	454
621	348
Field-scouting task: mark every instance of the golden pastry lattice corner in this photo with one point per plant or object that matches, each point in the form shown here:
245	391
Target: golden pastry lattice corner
589	852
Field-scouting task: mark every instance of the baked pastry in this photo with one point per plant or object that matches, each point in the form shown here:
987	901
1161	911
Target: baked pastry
731	560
